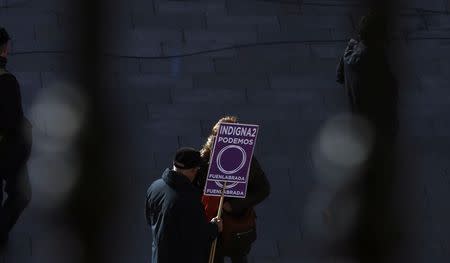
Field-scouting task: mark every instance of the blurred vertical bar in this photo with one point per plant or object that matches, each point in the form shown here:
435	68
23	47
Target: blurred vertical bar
378	230
91	203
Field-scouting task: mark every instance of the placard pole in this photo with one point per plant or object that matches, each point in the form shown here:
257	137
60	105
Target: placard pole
219	215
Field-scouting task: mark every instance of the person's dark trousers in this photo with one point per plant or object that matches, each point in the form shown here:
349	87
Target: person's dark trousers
219	256
18	189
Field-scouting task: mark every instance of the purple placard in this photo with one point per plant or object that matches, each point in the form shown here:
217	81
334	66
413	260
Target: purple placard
231	157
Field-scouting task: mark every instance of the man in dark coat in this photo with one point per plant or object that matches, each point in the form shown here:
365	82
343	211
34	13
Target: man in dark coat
15	146
175	213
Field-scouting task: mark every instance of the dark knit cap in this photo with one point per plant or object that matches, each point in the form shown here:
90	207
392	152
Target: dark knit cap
187	158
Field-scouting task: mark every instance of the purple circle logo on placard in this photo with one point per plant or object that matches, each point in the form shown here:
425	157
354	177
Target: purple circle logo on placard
225	165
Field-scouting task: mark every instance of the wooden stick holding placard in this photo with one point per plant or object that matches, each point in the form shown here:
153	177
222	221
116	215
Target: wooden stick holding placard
219	215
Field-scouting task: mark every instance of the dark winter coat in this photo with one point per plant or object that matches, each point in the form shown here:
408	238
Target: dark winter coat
15	129
369	83
175	213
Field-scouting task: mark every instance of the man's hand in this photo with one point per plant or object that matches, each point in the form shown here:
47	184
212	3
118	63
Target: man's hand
227	207
218	222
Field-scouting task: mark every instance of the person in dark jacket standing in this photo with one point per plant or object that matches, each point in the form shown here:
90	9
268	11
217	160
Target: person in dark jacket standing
15	146
175	213
236	211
